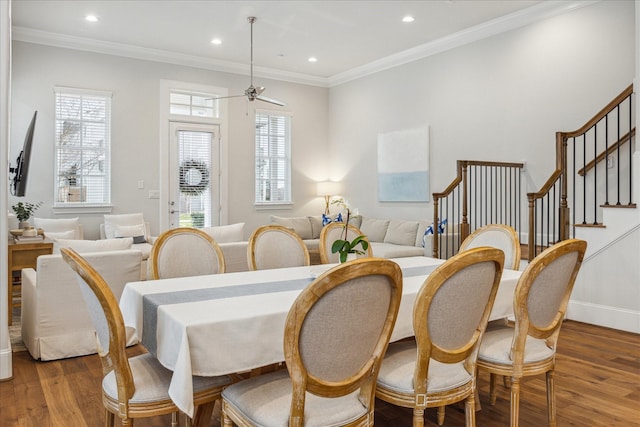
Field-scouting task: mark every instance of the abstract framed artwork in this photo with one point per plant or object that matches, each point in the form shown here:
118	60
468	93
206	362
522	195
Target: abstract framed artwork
403	165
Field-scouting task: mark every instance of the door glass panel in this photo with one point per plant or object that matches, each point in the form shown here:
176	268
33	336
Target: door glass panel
194	199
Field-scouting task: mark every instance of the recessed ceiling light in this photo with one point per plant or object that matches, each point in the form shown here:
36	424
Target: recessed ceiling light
408	18
91	18
216	41
313	59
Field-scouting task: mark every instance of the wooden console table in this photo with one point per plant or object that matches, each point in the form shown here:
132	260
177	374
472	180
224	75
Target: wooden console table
23	255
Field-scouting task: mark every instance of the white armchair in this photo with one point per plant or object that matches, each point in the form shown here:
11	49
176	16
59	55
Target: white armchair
130	225
55	320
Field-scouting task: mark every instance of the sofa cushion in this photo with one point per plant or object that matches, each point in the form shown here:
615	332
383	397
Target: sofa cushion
356	220
226	233
401	232
59	225
374	229
300	224
136	232
316	226
83	246
390	250
113	222
68	235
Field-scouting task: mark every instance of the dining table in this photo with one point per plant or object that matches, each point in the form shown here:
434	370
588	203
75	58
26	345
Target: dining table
234	322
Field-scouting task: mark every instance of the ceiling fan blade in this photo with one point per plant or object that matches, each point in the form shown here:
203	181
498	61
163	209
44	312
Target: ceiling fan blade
271	101
225	97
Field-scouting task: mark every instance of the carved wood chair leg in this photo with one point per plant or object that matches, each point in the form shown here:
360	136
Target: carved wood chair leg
418	417
441	412
515	401
225	420
492	389
506	381
470	411
551	398
110	419
175	421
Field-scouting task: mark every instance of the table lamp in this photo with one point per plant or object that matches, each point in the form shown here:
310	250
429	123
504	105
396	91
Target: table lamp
327	189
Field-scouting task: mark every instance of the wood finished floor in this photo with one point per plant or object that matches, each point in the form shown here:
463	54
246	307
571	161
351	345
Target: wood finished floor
597	384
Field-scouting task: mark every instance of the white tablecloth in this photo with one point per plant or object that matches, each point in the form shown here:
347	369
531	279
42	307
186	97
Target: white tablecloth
238	333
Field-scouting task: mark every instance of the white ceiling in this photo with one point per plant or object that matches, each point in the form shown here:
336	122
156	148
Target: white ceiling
347	37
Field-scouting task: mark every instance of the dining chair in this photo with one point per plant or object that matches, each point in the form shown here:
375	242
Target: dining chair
335	335
184	252
134	387
498	236
450	315
540	303
276	246
332	232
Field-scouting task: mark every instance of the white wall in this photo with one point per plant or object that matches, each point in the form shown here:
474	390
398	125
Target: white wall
501	98
135	86
5	124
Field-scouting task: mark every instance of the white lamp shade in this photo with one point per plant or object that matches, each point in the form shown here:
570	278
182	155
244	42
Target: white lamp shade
328	188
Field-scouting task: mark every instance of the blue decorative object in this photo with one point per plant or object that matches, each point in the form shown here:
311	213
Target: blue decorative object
441	227
328	220
427	232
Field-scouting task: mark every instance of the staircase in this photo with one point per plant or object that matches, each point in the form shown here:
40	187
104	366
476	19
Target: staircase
591	195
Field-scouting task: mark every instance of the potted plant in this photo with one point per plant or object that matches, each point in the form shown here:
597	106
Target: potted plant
24	211
343	246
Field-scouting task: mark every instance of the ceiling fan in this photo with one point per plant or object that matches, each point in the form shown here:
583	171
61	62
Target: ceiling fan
252	93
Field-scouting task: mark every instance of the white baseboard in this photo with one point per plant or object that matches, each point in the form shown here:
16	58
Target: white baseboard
601	315
6	366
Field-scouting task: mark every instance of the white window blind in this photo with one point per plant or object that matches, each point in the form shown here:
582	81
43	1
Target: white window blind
273	158
195	105
82	147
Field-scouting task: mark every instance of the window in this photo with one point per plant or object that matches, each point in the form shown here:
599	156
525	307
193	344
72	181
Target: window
273	158
82	147
190	104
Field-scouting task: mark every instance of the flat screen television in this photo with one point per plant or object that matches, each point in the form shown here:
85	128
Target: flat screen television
21	171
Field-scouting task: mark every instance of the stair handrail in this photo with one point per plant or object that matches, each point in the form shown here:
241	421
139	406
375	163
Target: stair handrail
560	173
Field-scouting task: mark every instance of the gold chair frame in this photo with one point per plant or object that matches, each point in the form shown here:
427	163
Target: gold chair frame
545	328
161	241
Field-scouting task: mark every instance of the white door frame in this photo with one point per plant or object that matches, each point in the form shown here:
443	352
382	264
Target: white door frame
174	174
166	86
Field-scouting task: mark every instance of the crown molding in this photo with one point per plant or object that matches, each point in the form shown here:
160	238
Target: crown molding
30	35
539	12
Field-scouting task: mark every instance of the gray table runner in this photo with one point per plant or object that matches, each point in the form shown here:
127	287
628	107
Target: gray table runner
151	302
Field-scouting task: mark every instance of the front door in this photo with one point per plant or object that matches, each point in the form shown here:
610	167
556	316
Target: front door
194	175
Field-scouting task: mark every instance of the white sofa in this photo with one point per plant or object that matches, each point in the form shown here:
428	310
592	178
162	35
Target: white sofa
389	238
55	320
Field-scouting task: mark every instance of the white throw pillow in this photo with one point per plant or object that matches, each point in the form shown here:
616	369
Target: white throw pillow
83	246
137	232
401	232
58	225
112	222
226	233
300	225
374	229
68	235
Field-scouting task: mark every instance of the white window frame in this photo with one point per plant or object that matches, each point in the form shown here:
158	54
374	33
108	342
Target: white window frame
84	206
286	157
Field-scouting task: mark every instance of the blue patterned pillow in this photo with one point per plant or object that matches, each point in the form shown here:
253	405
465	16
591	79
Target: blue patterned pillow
328	220
441	226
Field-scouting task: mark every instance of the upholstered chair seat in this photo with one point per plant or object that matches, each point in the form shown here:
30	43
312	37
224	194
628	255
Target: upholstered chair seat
269	403
496	347
399	364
